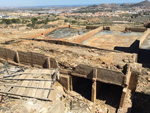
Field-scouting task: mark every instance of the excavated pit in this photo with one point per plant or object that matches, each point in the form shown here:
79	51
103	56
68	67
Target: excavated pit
82	86
65	32
110	94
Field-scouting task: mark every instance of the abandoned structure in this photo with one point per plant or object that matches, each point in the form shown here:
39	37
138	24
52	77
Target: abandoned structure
95	73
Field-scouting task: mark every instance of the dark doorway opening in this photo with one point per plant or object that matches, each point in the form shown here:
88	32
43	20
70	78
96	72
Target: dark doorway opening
109	93
82	86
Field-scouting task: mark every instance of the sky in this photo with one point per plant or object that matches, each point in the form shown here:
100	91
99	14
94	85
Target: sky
17	3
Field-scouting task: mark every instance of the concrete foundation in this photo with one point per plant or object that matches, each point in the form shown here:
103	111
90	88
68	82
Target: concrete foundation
84	79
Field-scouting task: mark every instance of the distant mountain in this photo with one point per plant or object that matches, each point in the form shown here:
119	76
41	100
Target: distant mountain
145	3
125	5
113	7
109	5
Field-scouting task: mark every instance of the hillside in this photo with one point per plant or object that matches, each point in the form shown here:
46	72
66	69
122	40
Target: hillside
145	3
113	7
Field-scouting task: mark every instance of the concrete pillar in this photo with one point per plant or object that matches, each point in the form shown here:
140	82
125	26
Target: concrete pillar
93	96
123	107
48	63
122	100
71	84
94	86
17	58
1	98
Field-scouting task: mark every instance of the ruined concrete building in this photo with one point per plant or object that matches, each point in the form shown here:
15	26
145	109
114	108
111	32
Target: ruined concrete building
96	68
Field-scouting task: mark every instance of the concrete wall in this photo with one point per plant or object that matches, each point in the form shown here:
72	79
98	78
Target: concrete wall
39	34
60	42
143	37
27	58
33	59
7	54
36	35
42	61
53	63
65	81
102	75
92	27
83	71
136	45
106	28
88	35
111	77
135	29
39	60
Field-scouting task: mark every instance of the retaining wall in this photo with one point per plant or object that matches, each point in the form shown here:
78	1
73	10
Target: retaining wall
88	35
61	42
111	77
102	75
39	34
7	54
39	60
28	58
143	37
137	44
92	27
135	29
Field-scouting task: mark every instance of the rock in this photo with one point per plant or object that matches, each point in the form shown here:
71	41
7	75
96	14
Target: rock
148	73
148	79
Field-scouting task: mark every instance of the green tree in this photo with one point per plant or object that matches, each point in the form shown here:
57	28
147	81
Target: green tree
73	22
65	20
15	21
